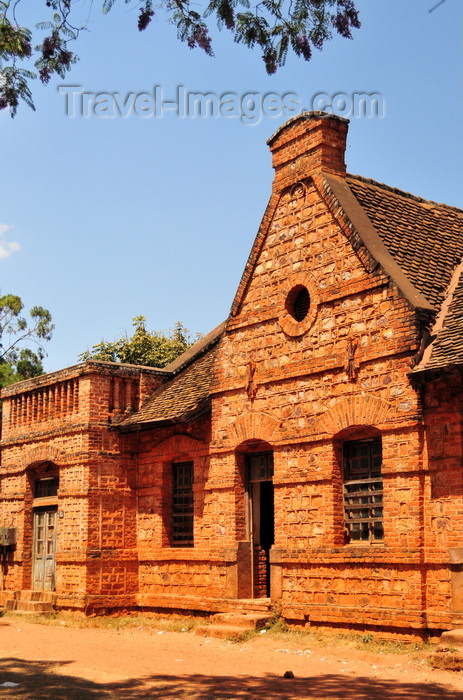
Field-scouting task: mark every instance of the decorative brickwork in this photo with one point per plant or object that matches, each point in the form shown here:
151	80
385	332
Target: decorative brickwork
58	425
337	347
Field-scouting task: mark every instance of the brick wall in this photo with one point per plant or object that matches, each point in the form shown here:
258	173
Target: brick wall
443	495
58	424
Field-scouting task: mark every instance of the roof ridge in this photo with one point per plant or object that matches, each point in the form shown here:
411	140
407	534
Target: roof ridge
200	347
402	193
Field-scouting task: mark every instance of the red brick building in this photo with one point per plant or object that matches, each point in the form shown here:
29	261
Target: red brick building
305	454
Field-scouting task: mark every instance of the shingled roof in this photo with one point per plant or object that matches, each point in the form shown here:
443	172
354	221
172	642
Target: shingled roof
446	347
186	394
424	238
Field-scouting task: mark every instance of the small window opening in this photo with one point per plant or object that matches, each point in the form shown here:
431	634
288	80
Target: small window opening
182	504
260	466
363	491
46	487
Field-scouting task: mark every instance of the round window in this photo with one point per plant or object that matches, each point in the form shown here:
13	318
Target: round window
298	303
299	307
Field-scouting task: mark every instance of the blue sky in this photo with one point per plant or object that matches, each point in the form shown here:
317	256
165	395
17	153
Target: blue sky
106	218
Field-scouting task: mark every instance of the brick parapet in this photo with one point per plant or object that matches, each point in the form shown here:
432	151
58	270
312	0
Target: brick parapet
89	367
90	392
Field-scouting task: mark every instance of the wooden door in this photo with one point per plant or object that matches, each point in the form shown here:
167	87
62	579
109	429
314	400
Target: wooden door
44	548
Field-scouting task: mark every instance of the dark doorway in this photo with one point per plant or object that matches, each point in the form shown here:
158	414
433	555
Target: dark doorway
262	520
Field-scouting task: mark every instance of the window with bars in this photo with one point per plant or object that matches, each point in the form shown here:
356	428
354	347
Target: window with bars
363	491
182	504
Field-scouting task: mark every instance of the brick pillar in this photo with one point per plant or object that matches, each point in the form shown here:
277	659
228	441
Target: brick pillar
276	574
238	576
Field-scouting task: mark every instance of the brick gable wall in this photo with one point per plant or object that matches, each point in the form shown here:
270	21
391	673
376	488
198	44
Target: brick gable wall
287	383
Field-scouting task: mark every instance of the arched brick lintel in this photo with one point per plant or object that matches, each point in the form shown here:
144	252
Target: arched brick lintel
352	411
32	456
177	446
255	426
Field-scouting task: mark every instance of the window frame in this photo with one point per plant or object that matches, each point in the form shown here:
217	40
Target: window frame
289	292
363	496
259	472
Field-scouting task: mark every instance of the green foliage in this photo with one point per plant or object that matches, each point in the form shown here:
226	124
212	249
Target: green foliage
26	364
274	26
277	623
149	348
17	362
52	55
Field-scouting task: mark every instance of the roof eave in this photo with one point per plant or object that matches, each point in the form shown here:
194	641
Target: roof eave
189	416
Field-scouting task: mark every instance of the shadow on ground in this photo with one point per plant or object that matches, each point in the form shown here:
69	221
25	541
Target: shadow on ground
42	680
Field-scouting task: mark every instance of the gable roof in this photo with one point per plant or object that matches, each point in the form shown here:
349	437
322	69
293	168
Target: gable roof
186	394
424	238
362	233
417	242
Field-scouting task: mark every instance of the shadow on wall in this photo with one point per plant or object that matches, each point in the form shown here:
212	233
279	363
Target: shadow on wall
41	680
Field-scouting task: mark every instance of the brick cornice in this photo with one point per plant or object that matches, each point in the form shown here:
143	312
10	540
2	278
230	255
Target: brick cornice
87	368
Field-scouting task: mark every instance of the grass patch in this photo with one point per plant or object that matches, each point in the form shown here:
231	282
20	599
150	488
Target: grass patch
306	640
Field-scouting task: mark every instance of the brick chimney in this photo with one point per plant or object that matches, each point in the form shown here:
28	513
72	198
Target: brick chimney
307	144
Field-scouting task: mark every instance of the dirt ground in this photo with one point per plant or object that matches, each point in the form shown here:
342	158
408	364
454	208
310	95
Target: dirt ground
74	663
